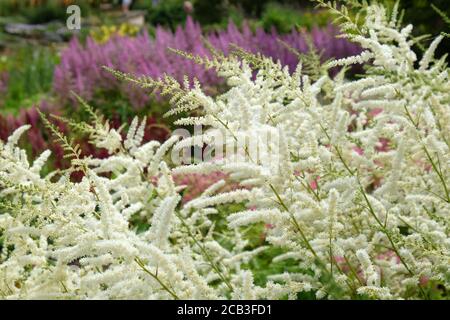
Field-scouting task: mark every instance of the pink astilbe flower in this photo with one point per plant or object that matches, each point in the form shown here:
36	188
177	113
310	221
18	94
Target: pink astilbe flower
4	77
314	183
196	183
6	126
358	150
81	70
374	112
342	264
389	255
39	138
383	145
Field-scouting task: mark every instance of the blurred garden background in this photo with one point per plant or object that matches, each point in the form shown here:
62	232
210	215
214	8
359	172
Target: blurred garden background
42	62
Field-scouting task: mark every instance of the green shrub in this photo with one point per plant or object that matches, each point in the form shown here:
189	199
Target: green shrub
168	13
30	75
425	19
285	18
49	10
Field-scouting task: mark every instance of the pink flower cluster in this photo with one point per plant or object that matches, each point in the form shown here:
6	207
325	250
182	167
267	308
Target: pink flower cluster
81	70
196	183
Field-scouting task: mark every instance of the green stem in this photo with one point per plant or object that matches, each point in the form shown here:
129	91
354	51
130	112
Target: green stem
154	276
206	255
297	226
436	168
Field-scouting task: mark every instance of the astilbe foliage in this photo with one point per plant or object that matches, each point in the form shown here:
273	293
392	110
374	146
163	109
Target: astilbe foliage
361	217
80	69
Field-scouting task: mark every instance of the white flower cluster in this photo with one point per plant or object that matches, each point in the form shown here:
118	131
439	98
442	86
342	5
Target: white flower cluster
360	192
61	239
358	201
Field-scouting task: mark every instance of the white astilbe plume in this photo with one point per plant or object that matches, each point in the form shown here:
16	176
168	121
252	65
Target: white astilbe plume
76	240
348	179
336	179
